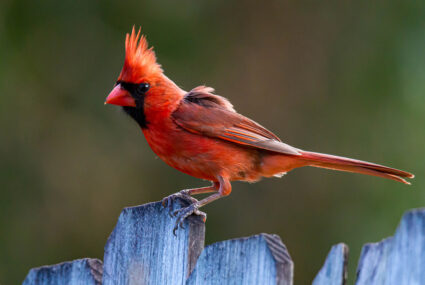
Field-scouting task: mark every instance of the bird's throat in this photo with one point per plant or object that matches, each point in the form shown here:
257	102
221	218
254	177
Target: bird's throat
138	114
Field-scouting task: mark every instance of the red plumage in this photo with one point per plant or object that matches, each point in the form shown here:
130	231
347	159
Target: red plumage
200	134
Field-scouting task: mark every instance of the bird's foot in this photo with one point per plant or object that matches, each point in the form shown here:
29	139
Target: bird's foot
183	194
183	213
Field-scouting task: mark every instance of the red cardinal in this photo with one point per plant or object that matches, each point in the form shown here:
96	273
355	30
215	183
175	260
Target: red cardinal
200	134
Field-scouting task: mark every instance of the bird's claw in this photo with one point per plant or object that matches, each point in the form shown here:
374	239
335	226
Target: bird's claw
183	213
169	200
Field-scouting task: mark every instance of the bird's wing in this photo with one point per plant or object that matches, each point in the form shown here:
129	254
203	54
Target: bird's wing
211	115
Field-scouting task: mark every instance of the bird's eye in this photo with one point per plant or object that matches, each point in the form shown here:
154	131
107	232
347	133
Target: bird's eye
143	88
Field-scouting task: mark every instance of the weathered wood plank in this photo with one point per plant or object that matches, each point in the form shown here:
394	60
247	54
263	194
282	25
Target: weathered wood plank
143	250
78	272
399	259
260	259
334	270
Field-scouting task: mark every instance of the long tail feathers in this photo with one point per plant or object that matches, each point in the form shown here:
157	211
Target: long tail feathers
352	165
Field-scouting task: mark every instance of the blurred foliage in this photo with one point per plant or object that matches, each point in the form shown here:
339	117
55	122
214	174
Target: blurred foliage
337	77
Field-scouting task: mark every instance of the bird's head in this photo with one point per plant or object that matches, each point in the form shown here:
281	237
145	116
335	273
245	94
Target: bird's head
139	77
139	73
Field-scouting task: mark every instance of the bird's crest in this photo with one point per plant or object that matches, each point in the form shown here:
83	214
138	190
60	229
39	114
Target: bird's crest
140	60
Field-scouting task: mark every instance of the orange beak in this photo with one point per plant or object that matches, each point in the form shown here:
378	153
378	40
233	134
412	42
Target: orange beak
119	96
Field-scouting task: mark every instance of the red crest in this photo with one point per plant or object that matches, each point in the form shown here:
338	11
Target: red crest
140	61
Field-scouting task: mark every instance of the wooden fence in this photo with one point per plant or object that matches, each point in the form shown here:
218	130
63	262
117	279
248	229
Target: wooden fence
143	250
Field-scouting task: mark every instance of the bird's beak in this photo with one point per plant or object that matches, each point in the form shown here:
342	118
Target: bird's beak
121	97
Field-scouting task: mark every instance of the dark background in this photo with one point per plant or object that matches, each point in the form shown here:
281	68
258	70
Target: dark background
342	78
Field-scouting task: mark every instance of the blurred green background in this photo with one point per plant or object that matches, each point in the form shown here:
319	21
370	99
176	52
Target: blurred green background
342	78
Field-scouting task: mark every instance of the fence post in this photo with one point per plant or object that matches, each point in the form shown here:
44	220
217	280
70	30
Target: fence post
86	271
143	250
399	259
334	270
260	259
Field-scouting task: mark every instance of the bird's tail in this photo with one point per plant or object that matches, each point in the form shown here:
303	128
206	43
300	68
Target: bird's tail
352	165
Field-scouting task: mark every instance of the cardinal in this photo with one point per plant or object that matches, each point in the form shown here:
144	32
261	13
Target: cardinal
201	134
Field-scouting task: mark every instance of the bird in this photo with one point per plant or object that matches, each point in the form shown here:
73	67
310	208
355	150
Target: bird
199	133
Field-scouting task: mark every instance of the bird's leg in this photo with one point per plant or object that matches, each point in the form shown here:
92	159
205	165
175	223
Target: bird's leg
224	189
195	191
186	194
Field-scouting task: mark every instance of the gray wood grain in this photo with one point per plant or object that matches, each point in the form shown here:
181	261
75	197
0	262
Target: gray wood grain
78	272
143	250
396	260
259	259
334	270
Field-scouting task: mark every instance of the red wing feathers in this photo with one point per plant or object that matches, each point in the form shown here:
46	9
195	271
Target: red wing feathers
204	113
